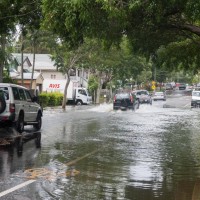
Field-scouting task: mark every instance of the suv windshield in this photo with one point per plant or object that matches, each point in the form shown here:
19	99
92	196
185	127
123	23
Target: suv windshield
142	93
122	96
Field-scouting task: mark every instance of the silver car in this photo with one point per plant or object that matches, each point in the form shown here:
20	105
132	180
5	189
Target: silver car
159	96
143	96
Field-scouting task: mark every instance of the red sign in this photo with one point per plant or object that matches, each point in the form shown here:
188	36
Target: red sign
54	85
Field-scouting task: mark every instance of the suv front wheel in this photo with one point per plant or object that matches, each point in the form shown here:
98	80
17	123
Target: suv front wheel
39	122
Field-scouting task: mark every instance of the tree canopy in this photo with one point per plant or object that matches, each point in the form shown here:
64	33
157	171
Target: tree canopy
149	25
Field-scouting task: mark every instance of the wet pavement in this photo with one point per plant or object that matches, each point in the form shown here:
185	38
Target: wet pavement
93	152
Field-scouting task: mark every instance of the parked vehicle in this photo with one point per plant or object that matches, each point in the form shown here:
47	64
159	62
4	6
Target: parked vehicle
189	87
159	96
168	86
125	101
182	86
19	107
143	96
75	94
195	102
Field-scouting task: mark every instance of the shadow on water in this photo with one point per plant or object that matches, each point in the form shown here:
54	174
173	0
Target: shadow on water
10	139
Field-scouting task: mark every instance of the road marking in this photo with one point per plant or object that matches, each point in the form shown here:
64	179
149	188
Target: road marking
40	172
186	105
16	188
81	158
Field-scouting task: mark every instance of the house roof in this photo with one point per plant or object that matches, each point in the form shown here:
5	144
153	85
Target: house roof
25	58
27	76
42	61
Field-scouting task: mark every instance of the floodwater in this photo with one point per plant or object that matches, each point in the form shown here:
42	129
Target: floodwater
93	152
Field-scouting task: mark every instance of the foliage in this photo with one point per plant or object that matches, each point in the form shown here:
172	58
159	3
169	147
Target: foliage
92	84
6	78
44	99
148	25
50	99
54	99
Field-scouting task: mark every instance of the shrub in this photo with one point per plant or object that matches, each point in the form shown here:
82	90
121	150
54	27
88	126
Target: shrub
59	97
50	99
44	99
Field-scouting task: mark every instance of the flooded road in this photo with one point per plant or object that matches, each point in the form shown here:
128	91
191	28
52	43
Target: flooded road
97	153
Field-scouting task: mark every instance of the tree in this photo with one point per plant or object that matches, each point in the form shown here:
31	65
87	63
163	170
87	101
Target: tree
7	21
148	25
12	13
66	61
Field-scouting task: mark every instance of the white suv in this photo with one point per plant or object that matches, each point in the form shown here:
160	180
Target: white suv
19	107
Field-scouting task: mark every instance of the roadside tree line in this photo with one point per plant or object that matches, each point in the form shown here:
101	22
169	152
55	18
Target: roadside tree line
115	40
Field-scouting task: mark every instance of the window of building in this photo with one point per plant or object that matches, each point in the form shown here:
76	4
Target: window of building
53	76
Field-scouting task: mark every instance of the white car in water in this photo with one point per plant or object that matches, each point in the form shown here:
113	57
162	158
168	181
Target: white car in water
143	96
159	96
195	102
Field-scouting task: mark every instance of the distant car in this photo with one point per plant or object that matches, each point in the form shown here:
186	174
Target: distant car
168	86
159	96
125	101
195	102
182	86
189	87
143	96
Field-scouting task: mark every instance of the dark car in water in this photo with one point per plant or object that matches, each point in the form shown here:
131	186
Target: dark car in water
182	86
125	101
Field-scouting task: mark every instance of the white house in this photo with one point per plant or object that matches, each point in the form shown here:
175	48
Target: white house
45	66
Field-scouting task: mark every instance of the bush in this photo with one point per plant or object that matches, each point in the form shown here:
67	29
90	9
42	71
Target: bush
44	99
50	99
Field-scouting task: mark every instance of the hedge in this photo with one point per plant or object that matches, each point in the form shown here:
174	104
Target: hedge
50	99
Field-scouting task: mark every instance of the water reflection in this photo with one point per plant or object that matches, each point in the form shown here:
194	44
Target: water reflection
148	154
153	153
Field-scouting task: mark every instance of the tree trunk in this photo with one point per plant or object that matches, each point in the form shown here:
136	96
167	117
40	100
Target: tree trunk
33	69
99	89
2	56
22	61
111	94
65	92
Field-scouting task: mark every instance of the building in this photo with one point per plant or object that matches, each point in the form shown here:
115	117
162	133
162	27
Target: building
46	67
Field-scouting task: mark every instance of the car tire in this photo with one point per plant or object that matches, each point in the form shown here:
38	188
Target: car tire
39	122
79	103
20	123
138	105
134	107
2	104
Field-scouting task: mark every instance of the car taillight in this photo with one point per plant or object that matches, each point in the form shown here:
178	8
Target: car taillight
114	98
12	107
